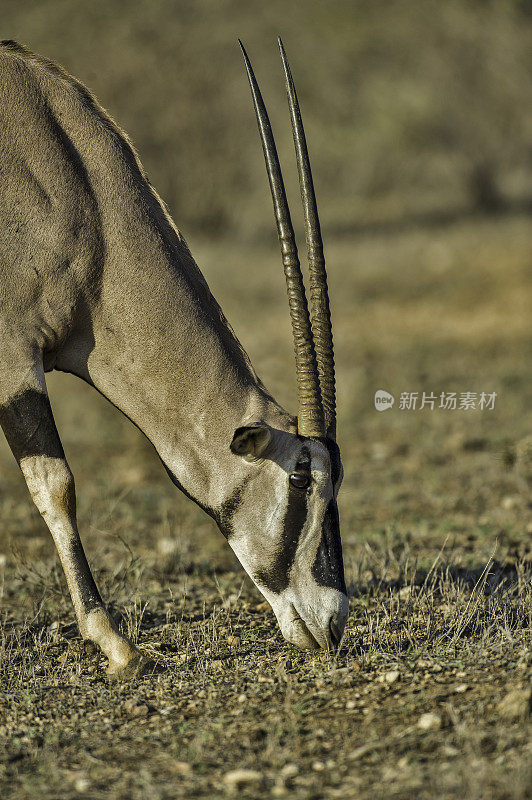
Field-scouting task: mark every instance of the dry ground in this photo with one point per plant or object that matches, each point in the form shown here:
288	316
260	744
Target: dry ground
430	694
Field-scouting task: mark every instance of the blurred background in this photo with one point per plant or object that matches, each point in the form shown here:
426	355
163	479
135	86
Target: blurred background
419	122
414	110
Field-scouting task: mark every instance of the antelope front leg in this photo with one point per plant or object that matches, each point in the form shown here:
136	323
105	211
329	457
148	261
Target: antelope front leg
27	420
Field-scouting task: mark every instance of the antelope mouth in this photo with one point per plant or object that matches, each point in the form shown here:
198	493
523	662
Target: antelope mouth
301	635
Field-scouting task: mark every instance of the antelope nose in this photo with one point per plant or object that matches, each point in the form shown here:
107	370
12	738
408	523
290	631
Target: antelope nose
335	631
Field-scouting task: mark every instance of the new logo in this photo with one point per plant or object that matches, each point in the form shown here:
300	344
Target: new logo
383	400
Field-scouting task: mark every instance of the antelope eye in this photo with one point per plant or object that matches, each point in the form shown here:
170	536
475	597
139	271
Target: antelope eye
299	480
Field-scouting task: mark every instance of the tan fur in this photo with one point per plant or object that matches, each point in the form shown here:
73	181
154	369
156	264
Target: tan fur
96	280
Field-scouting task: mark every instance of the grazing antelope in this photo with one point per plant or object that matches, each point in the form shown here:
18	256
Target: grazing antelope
97	281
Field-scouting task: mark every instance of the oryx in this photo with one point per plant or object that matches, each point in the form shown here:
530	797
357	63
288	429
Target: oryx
97	281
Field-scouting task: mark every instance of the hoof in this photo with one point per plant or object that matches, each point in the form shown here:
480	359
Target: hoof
137	666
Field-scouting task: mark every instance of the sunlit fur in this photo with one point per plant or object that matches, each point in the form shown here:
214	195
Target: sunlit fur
304	608
96	280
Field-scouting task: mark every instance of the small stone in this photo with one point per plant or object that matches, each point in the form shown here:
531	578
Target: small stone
461	688
81	785
516	705
240	777
233	641
135	709
166	546
289	771
429	722
390	677
318	766
510	501
450	751
359	752
242	698
350	704
380	451
183	767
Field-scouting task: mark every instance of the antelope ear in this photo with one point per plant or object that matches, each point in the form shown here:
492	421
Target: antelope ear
251	441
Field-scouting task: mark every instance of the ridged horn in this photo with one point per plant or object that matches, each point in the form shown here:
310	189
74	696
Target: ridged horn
310	420
320	314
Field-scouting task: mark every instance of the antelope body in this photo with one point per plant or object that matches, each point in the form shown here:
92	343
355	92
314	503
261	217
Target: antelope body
96	280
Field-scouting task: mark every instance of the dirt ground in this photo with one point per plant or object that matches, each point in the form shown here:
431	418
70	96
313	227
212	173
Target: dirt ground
430	694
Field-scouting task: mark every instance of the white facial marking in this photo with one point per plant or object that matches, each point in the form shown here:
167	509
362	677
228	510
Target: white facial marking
304	608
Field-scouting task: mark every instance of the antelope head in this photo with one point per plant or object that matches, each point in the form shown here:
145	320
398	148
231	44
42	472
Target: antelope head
288	539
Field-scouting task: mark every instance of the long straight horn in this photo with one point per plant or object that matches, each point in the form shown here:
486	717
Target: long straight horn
319	295
310	421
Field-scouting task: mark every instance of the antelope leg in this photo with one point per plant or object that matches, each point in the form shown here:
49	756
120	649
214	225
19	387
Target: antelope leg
27	421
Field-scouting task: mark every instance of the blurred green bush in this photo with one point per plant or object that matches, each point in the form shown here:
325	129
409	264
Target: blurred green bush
412	108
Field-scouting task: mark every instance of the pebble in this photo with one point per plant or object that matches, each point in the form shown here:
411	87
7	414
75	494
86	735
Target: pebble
390	677
429	722
289	770
461	688
135	709
182	767
239	777
233	641
510	501
517	704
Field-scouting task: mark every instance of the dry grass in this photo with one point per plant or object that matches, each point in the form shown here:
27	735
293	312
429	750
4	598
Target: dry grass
436	527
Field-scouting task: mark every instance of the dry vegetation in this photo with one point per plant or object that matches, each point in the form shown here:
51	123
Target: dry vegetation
436	528
416	113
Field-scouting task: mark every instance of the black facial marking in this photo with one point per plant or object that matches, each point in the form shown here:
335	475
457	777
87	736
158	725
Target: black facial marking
328	567
224	515
276	579
29	426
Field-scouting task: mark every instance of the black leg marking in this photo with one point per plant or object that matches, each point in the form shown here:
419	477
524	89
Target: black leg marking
30	430
29	426
90	596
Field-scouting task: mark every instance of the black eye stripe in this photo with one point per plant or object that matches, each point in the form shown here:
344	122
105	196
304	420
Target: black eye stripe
304	461
300	480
